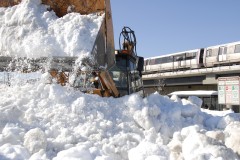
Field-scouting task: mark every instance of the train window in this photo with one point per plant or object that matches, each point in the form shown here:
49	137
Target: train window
194	54
215	52
225	50
163	60
169	59
158	61
209	53
237	48
179	58
222	50
146	62
212	52
191	55
152	62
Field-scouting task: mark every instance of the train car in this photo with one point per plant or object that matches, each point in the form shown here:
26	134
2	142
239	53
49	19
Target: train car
177	61
225	54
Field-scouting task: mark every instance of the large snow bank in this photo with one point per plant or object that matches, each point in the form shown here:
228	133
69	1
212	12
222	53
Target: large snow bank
42	121
30	30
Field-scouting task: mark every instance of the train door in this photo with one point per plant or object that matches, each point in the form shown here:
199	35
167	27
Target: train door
176	62
179	61
183	61
222	54
201	56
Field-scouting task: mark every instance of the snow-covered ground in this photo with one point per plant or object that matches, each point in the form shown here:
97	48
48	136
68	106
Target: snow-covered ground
48	121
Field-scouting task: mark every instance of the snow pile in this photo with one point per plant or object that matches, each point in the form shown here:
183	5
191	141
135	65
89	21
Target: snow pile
30	30
42	121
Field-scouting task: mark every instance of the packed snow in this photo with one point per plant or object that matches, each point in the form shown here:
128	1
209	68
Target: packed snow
30	30
194	93
48	121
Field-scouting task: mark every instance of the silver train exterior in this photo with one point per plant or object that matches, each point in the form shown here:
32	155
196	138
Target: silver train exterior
176	61
225	54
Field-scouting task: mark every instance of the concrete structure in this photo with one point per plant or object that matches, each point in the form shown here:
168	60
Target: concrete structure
202	78
187	80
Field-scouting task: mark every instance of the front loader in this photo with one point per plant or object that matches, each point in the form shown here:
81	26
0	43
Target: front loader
109	73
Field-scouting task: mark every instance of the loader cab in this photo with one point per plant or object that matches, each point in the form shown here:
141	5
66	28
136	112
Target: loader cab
127	73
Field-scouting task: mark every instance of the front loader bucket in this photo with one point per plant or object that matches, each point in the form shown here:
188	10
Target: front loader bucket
103	50
62	7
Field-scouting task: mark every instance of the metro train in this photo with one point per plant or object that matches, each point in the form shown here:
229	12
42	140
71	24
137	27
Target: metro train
225	54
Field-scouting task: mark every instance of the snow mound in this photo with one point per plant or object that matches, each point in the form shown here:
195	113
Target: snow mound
35	140
48	121
42	121
30	30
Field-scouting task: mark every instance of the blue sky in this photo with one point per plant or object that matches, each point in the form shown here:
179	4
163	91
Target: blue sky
169	26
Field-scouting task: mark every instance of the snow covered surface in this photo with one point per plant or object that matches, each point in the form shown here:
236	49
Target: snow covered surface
194	93
29	30
48	121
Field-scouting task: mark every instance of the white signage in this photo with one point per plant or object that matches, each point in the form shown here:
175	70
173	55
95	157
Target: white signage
228	90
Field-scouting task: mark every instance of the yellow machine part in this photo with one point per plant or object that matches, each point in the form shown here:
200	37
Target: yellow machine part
106	89
61	77
102	93
108	84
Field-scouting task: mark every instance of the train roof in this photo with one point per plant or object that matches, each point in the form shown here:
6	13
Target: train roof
173	54
225	44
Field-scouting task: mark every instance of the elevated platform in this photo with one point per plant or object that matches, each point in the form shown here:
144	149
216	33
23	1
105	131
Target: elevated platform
192	72
202	78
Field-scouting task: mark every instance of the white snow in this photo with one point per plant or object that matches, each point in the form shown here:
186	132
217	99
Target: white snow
40	121
48	121
195	93
29	30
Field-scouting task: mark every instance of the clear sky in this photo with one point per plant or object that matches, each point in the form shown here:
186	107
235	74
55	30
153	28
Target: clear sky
169	26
